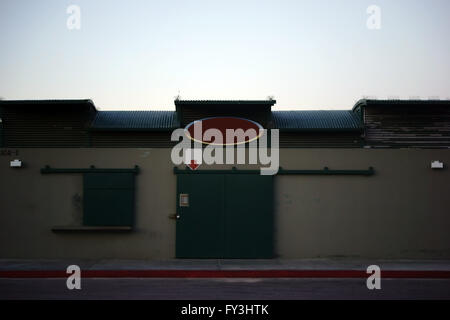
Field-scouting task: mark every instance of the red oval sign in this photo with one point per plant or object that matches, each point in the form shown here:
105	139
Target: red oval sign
223	130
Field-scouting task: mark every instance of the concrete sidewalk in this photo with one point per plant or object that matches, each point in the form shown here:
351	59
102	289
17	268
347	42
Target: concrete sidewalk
224	264
225	279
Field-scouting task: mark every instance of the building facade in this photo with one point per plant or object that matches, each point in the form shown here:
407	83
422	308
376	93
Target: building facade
371	182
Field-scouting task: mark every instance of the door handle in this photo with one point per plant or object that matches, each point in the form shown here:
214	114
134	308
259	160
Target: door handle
174	216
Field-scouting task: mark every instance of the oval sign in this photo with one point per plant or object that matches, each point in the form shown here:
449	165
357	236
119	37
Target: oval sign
223	130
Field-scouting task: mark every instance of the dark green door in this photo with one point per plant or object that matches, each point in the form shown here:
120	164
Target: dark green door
227	216
200	227
249	216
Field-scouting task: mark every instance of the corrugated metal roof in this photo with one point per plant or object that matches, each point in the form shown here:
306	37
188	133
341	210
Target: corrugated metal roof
290	120
316	120
135	120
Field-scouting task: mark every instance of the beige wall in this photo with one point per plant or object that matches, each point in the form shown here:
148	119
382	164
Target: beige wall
400	212
403	211
33	203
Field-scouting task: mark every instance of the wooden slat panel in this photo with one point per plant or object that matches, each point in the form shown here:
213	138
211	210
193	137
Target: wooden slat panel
45	128
413	127
192	114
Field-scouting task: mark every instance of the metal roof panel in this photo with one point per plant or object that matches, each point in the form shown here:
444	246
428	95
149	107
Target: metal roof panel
316	120
137	120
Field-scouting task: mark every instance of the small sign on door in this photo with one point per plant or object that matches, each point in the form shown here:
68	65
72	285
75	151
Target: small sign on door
184	200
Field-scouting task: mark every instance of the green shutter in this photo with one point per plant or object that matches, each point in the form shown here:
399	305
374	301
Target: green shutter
108	199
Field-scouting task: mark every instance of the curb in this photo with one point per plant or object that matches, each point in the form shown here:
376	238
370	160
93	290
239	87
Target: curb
396	274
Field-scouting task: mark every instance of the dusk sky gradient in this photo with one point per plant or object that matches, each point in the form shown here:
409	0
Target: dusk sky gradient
138	55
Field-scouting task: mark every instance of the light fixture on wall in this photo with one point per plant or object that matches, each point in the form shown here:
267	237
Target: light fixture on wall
16	163
437	165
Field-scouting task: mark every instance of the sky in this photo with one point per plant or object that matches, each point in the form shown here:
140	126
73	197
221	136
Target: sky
139	55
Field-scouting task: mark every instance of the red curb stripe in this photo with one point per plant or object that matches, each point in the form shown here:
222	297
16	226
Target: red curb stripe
411	274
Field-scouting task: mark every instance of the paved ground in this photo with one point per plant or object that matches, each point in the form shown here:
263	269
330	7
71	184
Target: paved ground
258	289
225	264
224	288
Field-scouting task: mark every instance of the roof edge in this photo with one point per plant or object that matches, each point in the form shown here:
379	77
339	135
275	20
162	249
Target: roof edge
358	129
47	102
360	103
399	102
224	102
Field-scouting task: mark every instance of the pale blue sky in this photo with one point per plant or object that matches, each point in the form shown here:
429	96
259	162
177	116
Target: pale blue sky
308	54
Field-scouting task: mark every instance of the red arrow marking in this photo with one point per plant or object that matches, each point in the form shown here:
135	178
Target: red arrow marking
193	165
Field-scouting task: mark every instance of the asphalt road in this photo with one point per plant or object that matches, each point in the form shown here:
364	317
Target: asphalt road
255	289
